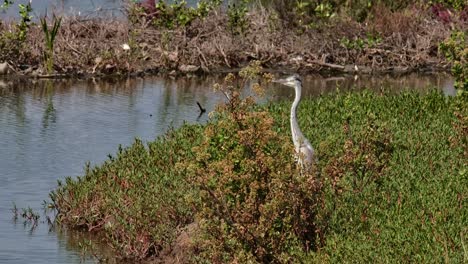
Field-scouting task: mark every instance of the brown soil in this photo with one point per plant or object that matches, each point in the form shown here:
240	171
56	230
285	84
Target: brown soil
409	41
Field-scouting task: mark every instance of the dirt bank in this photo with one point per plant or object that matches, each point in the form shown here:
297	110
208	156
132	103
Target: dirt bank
402	41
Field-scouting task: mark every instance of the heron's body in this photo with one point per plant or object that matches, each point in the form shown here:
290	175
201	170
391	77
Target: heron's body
303	149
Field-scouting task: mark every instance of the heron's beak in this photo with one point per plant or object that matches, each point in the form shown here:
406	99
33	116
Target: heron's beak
282	81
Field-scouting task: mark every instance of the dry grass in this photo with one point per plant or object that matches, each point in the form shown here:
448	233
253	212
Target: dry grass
93	46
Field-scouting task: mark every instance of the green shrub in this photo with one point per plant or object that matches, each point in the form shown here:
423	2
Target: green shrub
170	16
455	4
23	25
237	17
254	205
11	42
6	4
49	38
456	51
360	43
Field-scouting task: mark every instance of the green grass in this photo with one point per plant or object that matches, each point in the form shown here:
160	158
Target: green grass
393	168
416	210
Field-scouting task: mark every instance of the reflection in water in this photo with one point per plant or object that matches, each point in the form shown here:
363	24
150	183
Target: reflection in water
49	129
49	112
315	85
87	245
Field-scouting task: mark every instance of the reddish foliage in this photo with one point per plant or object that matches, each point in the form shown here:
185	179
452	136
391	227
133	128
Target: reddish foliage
464	14
149	6
442	13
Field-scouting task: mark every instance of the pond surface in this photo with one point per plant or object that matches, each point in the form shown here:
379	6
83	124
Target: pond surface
106	8
48	130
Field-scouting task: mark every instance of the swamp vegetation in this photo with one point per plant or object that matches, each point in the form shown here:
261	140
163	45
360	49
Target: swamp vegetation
212	36
390	183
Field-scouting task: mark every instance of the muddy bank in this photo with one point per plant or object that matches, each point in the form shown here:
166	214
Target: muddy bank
395	42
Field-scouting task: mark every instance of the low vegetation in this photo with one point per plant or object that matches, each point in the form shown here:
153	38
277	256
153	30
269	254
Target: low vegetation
308	36
49	37
390	183
456	50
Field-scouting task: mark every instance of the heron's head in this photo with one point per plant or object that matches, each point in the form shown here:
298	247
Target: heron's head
291	81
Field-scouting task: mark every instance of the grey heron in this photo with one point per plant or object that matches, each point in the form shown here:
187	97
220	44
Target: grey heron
304	151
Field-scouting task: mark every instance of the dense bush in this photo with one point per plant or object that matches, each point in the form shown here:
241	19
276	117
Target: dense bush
254	204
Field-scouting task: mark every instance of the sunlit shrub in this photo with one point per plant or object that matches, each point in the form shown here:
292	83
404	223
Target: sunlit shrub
456	51
254	205
237	17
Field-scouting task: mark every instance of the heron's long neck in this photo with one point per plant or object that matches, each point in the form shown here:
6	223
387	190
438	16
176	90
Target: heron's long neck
295	131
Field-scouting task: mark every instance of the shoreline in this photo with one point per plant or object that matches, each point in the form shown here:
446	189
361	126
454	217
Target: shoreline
348	70
97	47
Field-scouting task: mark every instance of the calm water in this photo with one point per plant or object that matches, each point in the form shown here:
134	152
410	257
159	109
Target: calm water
73	7
49	130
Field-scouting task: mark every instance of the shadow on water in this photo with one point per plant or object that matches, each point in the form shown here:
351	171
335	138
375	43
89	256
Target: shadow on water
49	129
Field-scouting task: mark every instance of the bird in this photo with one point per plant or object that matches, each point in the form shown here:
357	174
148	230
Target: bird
202	110
305	153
